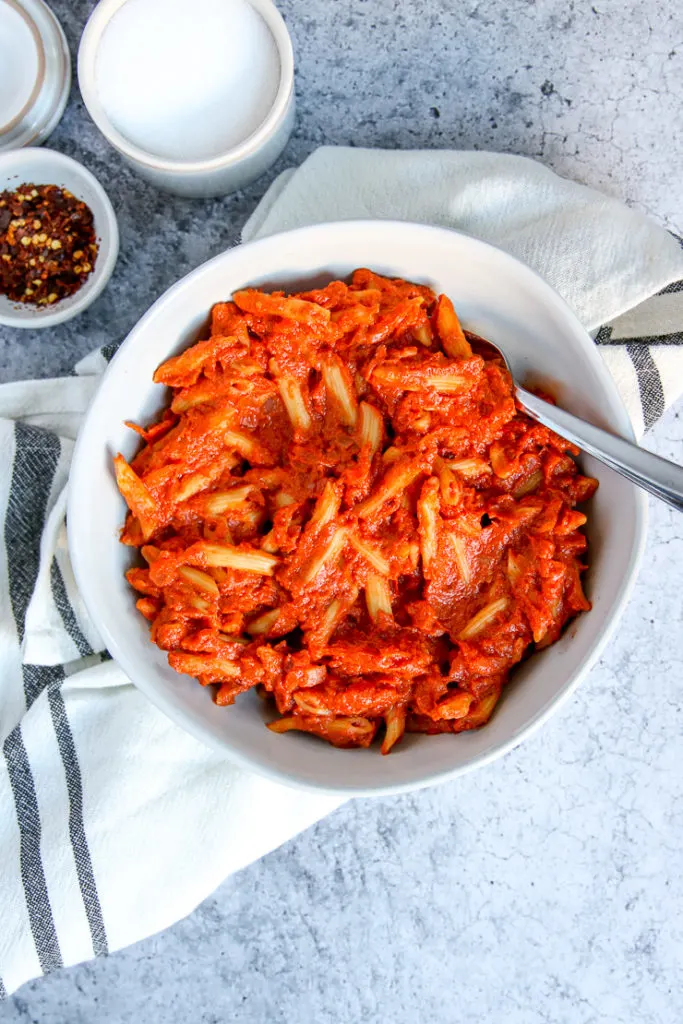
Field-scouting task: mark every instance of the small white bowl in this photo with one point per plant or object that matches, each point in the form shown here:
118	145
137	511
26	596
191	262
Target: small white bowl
31	38
201	178
47	167
496	297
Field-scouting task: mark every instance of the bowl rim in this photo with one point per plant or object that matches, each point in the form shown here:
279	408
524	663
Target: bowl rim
87	54
13	122
76	511
32	156
43	112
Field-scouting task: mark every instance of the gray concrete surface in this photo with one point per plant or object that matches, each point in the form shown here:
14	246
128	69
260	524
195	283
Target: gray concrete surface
547	887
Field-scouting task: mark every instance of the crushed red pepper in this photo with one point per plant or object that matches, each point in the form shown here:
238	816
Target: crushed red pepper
48	246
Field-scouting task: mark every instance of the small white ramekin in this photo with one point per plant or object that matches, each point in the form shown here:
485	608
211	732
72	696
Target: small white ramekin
47	167
47	43
202	178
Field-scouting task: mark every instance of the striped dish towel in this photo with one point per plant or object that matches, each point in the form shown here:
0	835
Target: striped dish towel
113	822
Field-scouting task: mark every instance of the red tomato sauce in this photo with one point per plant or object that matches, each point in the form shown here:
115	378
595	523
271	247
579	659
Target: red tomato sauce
343	507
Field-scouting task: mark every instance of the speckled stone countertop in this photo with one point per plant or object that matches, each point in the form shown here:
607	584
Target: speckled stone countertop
546	888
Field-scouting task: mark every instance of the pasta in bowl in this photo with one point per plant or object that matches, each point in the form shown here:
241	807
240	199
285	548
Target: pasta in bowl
342	506
337	476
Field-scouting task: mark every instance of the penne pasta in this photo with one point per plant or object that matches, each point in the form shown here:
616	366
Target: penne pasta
150	553
423	334
137	497
263	623
529	485
341	732
293	400
183	370
340	389
299	310
368	296
326	507
378	597
326	553
242	443
422	423
394	482
395	721
372	554
468	467
335	612
199	579
231	557
481	710
502	465
479	622
391	454
220	502
455	705
396	321
310	703
353	316
270	543
148	608
282	499
224	415
141	581
245	368
194	483
450	485
332	616
268	479
370	427
460	552
407	379
514	567
199	604
207	667
190	397
450	333
428	517
342	439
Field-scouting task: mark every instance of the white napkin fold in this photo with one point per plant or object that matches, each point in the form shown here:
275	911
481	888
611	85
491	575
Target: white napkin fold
113	822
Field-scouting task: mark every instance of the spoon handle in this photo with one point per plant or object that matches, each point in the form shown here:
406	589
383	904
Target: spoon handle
660	477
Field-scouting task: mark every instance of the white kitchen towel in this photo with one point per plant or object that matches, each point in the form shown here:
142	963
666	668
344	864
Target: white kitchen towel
113	822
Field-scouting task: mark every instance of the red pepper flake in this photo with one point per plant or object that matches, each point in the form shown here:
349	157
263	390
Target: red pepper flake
48	246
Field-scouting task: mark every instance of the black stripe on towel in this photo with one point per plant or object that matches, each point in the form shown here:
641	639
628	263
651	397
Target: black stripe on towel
32	874
110	350
603	336
37	677
79	842
649	382
651	339
675	286
64	608
35	462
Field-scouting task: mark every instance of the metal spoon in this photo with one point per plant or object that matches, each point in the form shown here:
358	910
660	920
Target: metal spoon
659	476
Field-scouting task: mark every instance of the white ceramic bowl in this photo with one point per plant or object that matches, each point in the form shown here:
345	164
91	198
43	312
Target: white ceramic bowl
201	178
47	167
33	47
496	297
